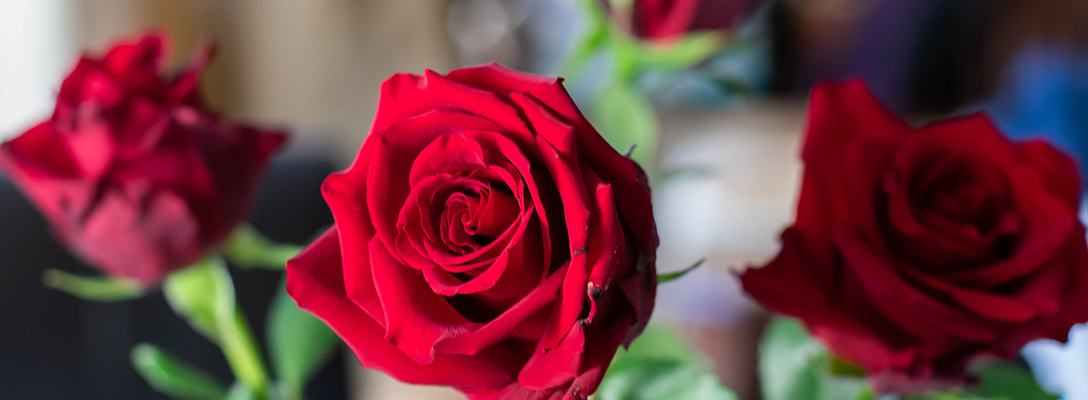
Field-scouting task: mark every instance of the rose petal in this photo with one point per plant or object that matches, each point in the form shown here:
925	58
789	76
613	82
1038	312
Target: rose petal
315	281
511	323
549	368
142	245
627	179
571	189
415	317
396	150
405	96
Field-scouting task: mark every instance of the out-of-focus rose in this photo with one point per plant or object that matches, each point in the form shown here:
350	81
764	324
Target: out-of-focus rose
665	19
916	251
486	238
135	174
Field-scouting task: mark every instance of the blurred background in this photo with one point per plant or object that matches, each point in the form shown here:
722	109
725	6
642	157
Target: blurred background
724	165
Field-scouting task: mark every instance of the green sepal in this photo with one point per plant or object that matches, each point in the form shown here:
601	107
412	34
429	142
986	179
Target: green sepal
666	277
92	288
191	293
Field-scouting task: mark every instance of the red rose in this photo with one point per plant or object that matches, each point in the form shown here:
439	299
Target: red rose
486	238
664	19
136	175
916	251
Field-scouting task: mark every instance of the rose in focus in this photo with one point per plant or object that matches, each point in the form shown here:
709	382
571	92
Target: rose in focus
915	252
486	238
136	175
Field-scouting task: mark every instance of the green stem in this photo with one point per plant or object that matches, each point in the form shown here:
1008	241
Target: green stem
235	337
248	248
595	37
204	295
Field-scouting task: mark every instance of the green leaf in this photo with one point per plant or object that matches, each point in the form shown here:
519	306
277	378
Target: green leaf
1001	380
792	366
172	377
248	248
625	117
662	380
659	343
660	366
785	354
93	288
299	343
662	278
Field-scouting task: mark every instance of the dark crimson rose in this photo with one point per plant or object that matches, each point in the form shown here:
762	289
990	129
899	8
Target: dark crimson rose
916	251
664	19
135	174
486	238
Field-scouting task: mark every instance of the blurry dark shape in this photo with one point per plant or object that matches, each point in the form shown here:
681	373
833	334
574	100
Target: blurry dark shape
841	39
54	346
924	56
785	52
814	38
951	64
971	42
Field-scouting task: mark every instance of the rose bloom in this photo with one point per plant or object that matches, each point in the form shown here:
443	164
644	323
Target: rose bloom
665	19
915	252
486	238
135	174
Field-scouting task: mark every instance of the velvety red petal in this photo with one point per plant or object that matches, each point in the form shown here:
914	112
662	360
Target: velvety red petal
405	96
396	150
550	368
346	193
889	294
507	323
1057	169
840	114
415	317
237	165
627	179
140	236
315	281
571	191
801	281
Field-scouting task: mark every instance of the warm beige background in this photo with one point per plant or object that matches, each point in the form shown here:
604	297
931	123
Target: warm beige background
313	65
